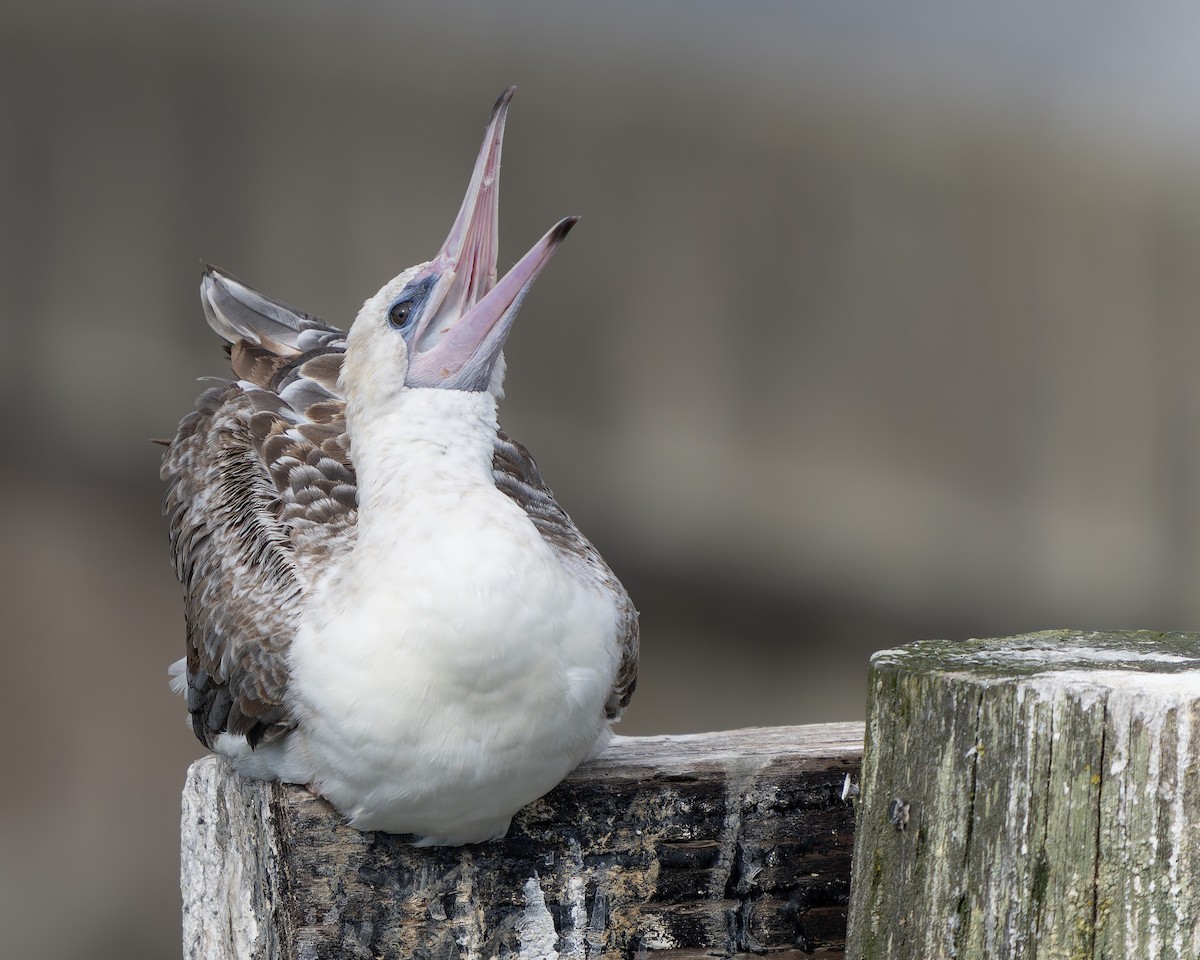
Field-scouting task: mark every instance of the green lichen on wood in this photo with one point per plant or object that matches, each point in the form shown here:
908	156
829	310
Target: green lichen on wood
1032	653
1051	782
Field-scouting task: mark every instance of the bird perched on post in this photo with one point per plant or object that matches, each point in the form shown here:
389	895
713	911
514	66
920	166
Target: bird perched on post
384	601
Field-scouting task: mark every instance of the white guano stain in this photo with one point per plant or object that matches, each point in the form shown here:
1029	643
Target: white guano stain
467	917
573	937
536	937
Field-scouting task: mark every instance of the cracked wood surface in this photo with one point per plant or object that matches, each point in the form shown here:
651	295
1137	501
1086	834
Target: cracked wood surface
682	847
1031	797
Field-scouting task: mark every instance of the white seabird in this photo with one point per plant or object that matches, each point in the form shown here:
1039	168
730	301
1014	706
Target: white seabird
383	599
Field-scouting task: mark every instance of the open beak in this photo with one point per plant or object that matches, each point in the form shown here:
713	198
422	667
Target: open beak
462	329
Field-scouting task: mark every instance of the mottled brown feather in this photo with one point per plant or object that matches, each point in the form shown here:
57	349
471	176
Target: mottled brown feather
258	499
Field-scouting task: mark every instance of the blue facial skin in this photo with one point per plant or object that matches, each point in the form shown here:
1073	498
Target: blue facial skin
406	310
404	316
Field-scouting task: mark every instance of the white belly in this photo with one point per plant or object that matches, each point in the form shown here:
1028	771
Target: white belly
445	681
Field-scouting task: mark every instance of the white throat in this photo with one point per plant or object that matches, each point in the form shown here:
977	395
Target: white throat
430	445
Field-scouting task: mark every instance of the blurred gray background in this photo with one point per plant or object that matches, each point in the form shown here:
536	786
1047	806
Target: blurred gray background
880	324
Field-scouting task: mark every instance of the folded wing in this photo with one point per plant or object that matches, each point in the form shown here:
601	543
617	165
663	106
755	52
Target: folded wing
261	494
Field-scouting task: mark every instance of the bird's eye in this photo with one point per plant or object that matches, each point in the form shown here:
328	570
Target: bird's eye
407	306
400	314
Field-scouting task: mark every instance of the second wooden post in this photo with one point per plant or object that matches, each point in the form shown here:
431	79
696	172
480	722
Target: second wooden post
1033	797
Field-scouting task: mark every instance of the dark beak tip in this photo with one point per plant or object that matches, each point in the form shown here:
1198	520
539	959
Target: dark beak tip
503	99
562	228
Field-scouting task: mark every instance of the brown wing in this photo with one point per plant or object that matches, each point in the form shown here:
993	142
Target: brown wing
517	475
260	493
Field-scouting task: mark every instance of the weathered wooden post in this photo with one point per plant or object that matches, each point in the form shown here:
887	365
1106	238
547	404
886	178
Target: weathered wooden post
699	845
1033	797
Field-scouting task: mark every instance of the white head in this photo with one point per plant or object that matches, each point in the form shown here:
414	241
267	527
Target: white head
442	324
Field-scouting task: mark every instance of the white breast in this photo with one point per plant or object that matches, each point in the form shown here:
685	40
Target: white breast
451	669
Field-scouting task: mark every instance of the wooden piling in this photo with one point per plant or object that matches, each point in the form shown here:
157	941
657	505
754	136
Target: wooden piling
1034	797
697	846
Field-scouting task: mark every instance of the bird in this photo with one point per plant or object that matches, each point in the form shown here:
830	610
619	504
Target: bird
384	602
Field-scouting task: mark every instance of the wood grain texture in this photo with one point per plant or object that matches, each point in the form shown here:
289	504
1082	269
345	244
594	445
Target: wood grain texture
1031	797
684	847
